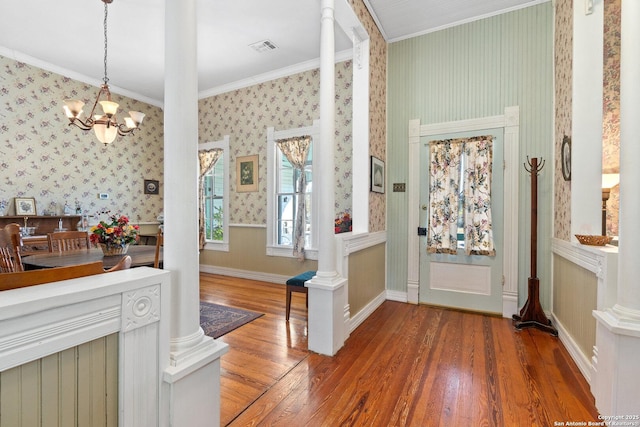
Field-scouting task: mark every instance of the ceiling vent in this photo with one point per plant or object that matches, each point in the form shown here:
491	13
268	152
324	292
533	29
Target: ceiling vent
263	46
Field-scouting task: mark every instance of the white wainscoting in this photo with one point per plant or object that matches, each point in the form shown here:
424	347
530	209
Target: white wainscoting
41	320
602	262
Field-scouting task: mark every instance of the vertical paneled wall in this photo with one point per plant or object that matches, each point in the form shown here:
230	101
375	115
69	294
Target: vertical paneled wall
574	299
469	71
75	387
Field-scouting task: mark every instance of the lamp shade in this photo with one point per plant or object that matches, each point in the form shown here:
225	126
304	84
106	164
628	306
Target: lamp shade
73	108
110	108
610	180
137	117
105	134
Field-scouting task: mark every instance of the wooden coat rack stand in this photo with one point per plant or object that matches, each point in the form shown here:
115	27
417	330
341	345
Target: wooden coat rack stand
532	315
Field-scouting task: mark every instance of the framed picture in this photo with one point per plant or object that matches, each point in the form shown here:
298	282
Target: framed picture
247	174
25	206
565	154
151	186
377	175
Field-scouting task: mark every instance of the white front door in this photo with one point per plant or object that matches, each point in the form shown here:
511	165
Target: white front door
472	282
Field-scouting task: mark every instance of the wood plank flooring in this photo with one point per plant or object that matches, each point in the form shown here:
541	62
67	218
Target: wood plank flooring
406	365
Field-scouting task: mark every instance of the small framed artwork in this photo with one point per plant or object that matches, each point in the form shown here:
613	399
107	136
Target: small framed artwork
25	206
151	186
247	174
377	175
566	158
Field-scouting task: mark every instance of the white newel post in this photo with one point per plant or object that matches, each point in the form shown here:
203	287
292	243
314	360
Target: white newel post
327	288
191	390
617	371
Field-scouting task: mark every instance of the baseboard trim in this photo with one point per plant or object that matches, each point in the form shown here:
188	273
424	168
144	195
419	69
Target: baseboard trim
245	274
572	347
362	315
397	296
509	304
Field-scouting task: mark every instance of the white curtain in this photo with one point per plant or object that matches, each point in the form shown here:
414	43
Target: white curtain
296	150
207	159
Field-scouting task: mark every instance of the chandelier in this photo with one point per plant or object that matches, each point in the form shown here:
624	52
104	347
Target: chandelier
105	125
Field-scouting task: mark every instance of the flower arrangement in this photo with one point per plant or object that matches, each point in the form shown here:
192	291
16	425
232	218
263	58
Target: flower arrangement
342	223
116	232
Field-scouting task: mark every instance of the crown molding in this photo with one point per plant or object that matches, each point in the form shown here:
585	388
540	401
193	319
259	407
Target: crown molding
272	75
21	57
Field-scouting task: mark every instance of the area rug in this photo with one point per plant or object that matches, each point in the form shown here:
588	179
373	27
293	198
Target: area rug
217	320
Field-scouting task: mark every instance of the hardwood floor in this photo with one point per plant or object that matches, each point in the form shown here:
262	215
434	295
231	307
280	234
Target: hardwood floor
406	365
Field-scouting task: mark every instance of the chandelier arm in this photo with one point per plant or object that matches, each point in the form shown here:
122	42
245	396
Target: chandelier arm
103	88
82	125
123	130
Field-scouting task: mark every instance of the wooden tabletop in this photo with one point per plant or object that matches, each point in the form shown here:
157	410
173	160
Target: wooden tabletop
140	255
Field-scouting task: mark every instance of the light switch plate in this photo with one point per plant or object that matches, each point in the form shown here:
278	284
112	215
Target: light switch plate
399	187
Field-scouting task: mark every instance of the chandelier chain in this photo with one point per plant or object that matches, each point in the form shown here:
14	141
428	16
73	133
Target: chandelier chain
105	79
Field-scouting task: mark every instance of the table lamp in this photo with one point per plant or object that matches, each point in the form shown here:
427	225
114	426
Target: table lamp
609	180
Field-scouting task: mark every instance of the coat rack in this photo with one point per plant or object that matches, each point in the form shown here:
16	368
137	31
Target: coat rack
531	314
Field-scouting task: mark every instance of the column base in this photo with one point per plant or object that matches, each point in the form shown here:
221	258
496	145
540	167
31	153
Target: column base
615	365
327	301
191	386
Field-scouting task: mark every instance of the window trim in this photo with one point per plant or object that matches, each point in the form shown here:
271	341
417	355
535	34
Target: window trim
215	245
273	249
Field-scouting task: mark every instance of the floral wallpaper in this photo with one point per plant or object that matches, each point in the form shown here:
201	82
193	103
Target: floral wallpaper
611	107
284	103
563	98
377	107
42	157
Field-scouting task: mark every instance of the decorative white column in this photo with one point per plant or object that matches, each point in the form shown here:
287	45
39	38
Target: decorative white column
618	329
191	391
327	297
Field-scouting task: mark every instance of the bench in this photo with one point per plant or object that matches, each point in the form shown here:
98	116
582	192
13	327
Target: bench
296	284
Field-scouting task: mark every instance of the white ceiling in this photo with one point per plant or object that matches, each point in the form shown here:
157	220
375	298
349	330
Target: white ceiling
66	36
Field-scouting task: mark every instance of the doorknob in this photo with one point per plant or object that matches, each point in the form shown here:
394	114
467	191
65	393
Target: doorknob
424	207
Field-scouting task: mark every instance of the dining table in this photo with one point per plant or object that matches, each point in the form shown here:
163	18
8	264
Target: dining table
141	255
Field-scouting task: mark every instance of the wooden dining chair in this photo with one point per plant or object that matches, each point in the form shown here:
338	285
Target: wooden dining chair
10	259
62	241
159	244
23	279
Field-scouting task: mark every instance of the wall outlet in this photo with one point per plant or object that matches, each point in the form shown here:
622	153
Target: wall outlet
103	196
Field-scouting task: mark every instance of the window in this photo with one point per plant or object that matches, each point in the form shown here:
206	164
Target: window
214	202
216	198
282	178
287	199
